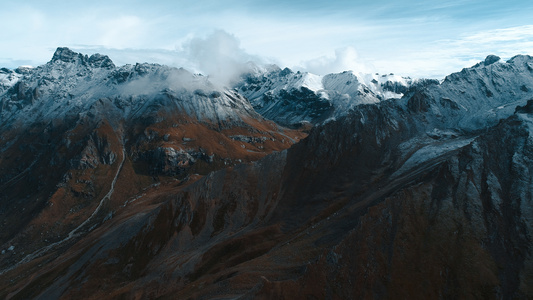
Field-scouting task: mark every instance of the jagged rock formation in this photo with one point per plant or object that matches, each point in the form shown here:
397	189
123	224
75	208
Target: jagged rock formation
291	98
8	78
427	196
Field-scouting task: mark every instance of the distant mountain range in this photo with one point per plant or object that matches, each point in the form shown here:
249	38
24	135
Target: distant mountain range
291	98
146	181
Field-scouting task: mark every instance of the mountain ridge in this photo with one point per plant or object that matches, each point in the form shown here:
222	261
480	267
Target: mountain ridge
290	98
424	196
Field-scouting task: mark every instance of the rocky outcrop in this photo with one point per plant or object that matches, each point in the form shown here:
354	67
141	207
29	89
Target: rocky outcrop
170	161
8	78
100	61
97	151
526	109
66	55
491	59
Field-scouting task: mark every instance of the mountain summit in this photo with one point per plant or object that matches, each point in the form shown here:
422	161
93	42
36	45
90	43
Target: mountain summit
96	60
291	98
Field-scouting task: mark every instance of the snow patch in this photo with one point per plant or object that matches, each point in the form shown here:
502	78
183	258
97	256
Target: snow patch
430	152
313	82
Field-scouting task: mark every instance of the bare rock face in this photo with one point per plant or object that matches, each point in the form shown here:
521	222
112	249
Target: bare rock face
97	151
97	60
457	219
527	109
491	59
171	161
101	61
8	78
66	55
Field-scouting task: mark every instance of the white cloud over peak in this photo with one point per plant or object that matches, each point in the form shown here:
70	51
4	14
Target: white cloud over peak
218	55
344	59
121	32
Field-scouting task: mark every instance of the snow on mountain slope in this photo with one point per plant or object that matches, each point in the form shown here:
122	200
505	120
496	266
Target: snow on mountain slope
172	116
72	83
8	78
383	86
490	89
478	96
290	98
387	85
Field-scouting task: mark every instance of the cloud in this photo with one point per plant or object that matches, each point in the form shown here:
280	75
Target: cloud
502	35
439	58
345	59
15	63
135	55
503	41
453	54
218	55
121	32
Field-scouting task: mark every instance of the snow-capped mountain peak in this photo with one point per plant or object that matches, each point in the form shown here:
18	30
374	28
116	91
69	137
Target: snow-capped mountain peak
63	54
292	97
480	95
70	83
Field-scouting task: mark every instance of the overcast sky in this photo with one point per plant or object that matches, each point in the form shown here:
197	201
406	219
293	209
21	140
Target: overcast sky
412	38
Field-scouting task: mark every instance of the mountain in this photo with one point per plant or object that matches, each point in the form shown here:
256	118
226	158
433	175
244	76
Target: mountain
80	137
291	98
426	196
